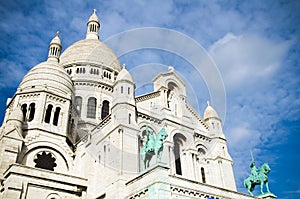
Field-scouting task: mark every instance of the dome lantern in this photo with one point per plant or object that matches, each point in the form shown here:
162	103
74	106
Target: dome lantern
210	112
93	26
54	48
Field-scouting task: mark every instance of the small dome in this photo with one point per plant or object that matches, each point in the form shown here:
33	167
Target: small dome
210	112
124	75
56	40
94	17
90	51
16	114
48	76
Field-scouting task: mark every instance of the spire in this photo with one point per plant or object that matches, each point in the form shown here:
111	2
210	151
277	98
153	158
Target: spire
54	48
93	27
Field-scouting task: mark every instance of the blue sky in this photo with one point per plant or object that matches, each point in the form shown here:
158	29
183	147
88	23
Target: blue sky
254	44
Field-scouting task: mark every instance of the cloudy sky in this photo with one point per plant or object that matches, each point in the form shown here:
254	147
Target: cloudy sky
253	48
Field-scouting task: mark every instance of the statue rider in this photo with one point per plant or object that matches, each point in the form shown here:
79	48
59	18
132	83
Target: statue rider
254	171
150	141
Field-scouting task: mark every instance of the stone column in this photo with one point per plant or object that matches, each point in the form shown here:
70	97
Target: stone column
167	152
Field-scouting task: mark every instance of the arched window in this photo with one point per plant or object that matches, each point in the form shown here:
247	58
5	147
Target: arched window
105	109
121	89
128	90
179	141
203	175
45	160
78	103
56	116
91	107
31	111
24	110
48	113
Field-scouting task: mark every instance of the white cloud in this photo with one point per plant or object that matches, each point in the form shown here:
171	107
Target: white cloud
247	59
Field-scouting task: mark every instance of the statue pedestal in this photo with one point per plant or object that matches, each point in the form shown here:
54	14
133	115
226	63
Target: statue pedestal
267	196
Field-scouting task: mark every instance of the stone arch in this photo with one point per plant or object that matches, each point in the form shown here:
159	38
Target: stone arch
53	196
61	160
202	149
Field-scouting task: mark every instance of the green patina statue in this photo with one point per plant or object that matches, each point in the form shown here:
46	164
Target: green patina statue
153	146
257	177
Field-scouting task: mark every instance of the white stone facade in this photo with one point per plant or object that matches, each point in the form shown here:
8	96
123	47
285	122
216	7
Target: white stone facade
75	129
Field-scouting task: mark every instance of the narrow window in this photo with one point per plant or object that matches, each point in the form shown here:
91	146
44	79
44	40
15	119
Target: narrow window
121	89
91	107
129	118
105	109
31	111
24	110
128	90
177	159
78	103
48	113
179	141
203	175
77	70
56	116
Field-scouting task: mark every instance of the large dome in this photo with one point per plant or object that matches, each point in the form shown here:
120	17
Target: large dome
90	51
49	76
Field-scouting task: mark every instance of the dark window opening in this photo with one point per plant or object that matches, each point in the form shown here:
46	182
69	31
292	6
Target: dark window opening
177	159
105	109
179	141
56	116
31	111
91	108
24	110
78	102
203	175
45	160
121	89
48	113
129	118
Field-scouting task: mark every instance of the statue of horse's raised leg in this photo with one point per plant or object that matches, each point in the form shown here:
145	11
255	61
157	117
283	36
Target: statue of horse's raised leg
248	185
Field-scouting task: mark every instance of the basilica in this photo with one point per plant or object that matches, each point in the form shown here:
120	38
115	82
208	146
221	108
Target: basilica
75	129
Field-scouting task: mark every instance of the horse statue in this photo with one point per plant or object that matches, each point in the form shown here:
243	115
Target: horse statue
153	146
257	177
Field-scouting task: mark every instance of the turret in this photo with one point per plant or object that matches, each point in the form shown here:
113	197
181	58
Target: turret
93	27
123	104
54	48
213	120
